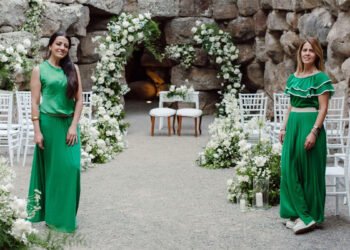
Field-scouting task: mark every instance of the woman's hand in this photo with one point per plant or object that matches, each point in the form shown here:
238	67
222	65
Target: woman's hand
281	135
72	136
310	141
39	139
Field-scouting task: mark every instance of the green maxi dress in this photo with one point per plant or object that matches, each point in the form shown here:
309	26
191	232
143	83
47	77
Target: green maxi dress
303	187
56	168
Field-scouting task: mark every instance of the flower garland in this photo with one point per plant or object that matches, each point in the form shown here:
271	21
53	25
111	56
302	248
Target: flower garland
106	138
13	61
220	47
33	16
261	160
184	53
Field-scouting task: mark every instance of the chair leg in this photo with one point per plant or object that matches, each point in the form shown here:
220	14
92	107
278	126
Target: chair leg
10	148
347	188
200	125
25	149
174	124
20	144
179	124
169	126
195	126
152	125
336	196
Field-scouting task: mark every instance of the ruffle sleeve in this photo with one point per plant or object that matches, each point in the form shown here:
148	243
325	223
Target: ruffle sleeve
314	85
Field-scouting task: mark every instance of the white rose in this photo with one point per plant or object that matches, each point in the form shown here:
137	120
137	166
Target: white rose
9	50
194	30
108	38
111	66
260	160
124	41
4	58
140	35
148	15
218	60
26	43
125	24
102	47
130	38
100	80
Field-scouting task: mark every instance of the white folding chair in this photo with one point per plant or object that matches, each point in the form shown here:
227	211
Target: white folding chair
24	107
340	171
9	132
87	104
252	106
335	137
280	108
336	108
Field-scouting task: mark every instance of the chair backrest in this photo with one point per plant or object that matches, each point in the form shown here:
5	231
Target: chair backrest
280	107
190	97
252	105
336	108
87	104
6	102
24	107
335	130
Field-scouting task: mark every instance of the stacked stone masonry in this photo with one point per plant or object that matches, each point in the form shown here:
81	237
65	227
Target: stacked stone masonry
267	32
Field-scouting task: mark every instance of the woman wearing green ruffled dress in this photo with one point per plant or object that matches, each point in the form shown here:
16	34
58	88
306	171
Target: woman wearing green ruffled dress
304	152
56	161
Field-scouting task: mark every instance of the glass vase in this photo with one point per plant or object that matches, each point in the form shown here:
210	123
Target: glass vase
261	193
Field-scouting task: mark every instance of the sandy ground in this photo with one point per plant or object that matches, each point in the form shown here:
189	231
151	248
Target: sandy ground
153	196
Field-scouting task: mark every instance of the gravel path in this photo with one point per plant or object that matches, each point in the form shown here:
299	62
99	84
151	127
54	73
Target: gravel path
153	196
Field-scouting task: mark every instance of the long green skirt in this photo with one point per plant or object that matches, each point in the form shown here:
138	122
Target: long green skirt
303	186
56	173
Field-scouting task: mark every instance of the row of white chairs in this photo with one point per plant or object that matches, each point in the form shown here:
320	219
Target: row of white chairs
337	130
17	135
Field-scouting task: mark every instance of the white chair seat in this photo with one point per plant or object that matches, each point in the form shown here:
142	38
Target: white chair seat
335	171
162	112
189	112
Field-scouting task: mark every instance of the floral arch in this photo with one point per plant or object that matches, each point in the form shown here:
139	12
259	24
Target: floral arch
102	141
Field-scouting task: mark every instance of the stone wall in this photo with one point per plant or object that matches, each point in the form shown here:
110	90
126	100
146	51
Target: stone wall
267	32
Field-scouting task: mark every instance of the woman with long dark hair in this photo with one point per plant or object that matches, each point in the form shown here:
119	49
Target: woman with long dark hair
56	161
304	152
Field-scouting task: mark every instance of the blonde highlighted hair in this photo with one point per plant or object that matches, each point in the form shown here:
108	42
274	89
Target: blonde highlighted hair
316	46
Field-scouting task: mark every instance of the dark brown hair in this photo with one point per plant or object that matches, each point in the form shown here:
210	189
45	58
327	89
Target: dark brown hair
316	46
67	65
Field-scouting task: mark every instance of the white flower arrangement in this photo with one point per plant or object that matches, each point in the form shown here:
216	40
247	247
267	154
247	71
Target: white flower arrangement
13	61
185	53
182	92
222	150
15	231
261	160
103	139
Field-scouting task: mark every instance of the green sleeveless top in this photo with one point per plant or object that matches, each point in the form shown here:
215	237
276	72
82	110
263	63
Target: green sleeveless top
53	91
304	91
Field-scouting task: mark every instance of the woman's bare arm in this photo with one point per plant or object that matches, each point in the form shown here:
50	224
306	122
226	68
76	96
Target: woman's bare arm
35	88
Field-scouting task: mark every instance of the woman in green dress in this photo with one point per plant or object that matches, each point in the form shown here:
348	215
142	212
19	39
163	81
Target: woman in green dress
304	152
56	161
